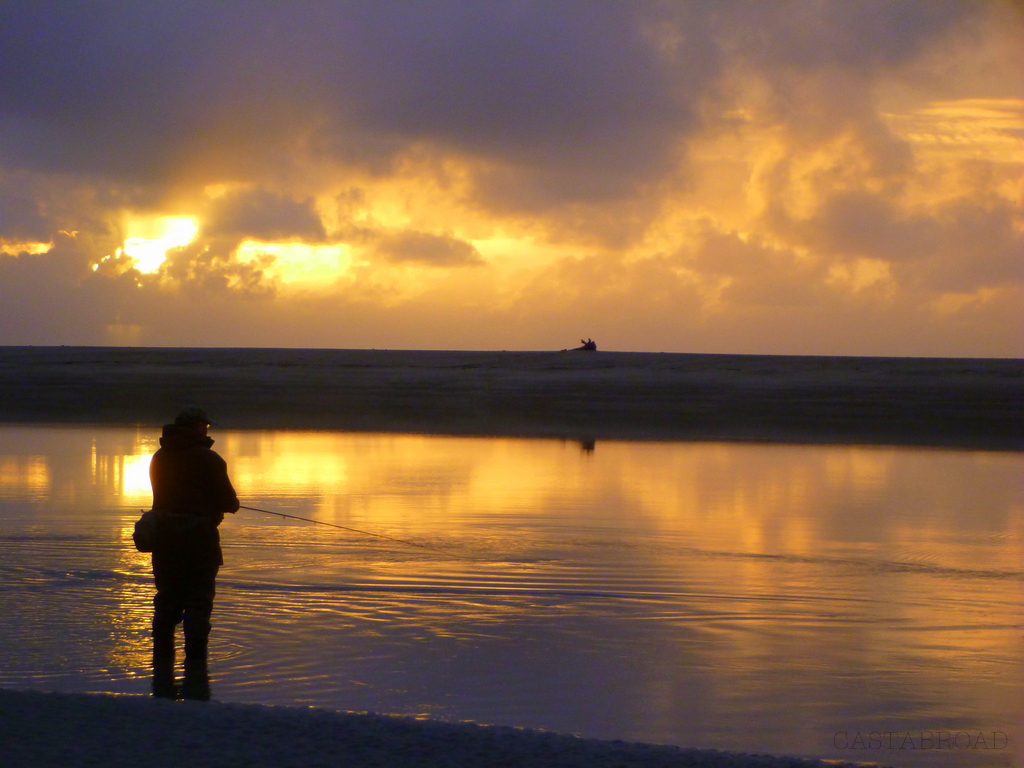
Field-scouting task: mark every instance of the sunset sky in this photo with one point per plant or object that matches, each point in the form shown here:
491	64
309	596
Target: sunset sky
800	176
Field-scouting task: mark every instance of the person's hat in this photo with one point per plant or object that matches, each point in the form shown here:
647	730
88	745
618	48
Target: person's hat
192	416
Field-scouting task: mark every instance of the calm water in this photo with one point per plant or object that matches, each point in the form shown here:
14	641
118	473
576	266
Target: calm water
746	597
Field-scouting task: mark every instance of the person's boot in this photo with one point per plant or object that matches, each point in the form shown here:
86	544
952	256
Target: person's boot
197	635
197	680
163	676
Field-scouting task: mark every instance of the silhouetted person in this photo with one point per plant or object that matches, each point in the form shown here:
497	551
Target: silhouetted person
191	494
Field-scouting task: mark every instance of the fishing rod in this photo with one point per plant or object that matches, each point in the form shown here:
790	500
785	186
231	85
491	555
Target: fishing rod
357	530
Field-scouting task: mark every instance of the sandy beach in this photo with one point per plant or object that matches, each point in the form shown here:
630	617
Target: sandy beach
577	395
39	730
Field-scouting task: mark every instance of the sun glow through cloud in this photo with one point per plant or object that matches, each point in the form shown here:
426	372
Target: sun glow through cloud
13	249
299	263
149	239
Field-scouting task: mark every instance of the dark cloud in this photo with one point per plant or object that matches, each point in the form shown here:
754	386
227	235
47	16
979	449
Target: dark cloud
961	245
563	84
212	268
58	295
979	244
866	35
263	215
34	207
864	224
132	89
426	248
98	88
580	100
21	214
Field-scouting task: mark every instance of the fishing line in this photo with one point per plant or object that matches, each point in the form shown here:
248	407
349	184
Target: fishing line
357	530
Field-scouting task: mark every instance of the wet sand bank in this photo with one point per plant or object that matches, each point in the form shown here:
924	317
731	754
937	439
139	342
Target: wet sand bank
973	403
39	730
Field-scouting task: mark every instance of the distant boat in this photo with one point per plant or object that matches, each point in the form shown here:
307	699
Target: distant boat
588	346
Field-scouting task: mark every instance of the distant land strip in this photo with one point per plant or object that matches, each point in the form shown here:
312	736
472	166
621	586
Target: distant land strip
940	402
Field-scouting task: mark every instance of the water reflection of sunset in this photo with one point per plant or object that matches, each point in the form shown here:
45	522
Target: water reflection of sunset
24	475
684	566
765	500
749	498
126	476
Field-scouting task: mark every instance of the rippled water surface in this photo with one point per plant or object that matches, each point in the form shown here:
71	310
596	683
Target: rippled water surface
761	598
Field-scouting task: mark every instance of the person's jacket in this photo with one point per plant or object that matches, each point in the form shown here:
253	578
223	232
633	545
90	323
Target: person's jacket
189	478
